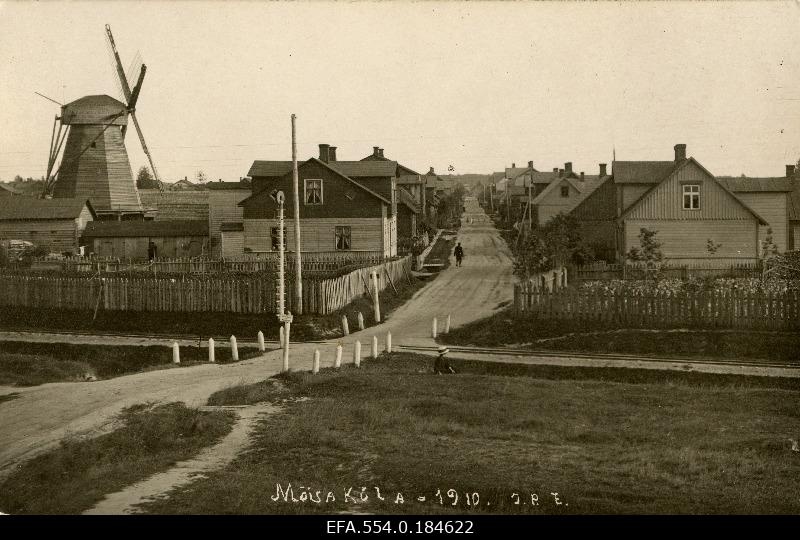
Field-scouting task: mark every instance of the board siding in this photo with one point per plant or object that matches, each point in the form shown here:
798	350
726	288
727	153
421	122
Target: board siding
687	239
315	234
223	207
773	208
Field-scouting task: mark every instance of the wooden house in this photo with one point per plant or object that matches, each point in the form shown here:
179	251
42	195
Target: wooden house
226	217
561	195
682	201
54	223
142	240
7	191
410	182
347	208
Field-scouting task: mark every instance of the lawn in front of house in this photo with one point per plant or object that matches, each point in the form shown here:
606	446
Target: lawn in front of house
25	363
507	442
504	329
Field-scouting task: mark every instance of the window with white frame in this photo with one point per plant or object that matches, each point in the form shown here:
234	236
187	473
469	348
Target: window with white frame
691	197
312	191
343	236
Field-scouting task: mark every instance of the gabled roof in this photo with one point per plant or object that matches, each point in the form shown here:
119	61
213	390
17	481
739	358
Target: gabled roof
524	178
355	169
127	229
584	189
227	185
642	172
328	166
29	208
513	172
401	169
744	184
675	169
270	168
6	187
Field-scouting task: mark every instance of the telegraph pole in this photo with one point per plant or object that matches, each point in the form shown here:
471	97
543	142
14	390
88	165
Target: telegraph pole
298	272
283	316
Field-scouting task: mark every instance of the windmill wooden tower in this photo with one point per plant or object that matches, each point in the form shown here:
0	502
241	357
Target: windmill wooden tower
95	164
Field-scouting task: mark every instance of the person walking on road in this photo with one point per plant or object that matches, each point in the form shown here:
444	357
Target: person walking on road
459	253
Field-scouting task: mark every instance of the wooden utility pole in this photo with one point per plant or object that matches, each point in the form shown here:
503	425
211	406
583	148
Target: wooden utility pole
530	199
298	272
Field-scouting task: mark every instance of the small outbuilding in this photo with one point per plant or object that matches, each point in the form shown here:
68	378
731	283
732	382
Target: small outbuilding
56	224
147	239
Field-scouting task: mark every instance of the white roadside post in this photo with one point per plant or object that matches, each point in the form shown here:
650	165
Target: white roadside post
433	328
357	354
374	347
176	353
388	342
260	338
211	353
315	367
281	338
376	304
338	363
360	321
447	325
234	350
345	326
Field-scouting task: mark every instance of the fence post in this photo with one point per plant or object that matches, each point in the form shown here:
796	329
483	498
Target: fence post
360	321
376	305
260	337
433	328
447	325
211	353
357	354
374	347
345	326
234	350
338	362
176	353
388	342
315	367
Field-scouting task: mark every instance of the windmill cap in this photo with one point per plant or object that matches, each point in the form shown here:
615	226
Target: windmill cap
443	350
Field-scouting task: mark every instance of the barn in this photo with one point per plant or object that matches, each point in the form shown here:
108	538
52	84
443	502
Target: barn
53	223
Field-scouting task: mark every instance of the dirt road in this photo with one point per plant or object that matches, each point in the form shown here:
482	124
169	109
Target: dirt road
43	415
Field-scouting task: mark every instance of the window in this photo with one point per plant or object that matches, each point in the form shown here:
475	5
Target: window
691	197
342	238
273	233
313	191
565	191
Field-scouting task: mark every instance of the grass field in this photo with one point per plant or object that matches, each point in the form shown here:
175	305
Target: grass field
30	364
80	473
204	324
478	442
504	329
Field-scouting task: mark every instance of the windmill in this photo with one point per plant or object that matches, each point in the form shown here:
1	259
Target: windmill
95	164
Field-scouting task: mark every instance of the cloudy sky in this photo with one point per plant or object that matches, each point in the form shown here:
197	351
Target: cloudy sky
477	86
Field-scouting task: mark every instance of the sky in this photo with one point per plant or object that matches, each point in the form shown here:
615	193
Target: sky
476	86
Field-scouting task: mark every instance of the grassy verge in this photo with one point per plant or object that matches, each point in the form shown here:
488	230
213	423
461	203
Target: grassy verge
29	364
8	397
79	474
441	252
706	445
504	329
201	324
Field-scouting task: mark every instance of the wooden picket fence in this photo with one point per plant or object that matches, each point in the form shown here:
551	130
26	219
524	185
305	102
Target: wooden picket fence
711	268
311	262
731	309
217	293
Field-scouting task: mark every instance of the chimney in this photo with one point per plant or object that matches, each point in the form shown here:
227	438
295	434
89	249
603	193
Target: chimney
582	177
560	173
555	170
603	170
380	152
789	171
323	152
332	153
376	151
530	165
568	168
513	165
680	152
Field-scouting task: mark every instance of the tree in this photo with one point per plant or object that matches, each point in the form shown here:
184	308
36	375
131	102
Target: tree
201	177
145	180
768	247
648	252
556	243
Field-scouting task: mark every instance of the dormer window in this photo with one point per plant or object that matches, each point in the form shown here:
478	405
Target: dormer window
312	191
691	197
565	191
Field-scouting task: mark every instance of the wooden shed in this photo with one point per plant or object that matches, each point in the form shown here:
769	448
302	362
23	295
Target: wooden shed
53	223
132	239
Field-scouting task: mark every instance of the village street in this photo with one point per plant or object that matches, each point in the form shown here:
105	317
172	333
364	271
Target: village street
43	415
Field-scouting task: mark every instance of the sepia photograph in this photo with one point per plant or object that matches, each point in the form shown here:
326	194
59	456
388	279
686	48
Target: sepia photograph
398	267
